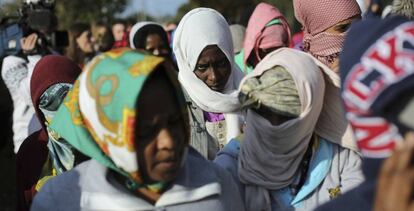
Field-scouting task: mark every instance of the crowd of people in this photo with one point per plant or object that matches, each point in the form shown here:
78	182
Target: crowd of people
204	115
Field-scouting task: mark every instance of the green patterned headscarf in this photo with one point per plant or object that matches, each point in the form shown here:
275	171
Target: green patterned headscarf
275	89
98	115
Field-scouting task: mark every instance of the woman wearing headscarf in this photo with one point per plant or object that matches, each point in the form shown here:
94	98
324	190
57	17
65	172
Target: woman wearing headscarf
127	112
152	37
44	153
207	72
325	25
380	119
266	31
290	157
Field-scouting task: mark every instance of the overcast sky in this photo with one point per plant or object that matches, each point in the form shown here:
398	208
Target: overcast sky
155	8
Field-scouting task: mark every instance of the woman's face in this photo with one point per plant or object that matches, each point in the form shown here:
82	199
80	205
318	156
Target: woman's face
118	30
160	133
156	45
213	68
337	29
84	42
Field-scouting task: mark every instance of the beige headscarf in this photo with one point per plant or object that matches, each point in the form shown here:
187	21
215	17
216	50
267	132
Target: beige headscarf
270	155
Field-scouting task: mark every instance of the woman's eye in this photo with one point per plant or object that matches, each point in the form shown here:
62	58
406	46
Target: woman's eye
343	28
201	67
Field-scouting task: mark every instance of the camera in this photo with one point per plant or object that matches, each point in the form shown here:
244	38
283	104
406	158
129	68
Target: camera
35	16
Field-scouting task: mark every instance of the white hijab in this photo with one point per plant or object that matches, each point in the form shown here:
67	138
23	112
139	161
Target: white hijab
270	155
198	29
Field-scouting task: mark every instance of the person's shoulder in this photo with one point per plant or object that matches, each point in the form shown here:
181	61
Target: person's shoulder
228	156
63	191
70	178
12	64
197	161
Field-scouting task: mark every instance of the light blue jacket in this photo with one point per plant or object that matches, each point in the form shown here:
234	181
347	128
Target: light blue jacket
333	170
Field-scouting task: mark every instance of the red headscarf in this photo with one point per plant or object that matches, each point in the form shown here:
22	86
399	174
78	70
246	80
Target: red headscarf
260	36
33	152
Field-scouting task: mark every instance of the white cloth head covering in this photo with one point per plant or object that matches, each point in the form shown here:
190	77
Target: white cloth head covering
198	29
135	29
270	155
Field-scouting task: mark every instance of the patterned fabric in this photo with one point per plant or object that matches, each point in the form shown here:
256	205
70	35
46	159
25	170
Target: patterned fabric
275	89
52	98
98	115
318	15
60	151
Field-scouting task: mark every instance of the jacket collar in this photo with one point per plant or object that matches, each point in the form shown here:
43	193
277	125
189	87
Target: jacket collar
195	182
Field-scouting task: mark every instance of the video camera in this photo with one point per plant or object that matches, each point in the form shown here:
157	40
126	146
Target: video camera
35	16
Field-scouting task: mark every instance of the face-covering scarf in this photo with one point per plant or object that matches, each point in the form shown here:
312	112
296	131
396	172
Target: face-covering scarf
270	155
198	29
63	158
98	115
318	15
261	34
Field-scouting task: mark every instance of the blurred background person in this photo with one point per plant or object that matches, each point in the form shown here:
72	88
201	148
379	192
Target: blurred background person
151	37
81	46
120	34
43	154
16	71
266	31
103	37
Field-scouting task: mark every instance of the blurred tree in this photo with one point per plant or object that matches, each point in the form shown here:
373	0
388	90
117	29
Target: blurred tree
139	16
71	11
10	8
239	11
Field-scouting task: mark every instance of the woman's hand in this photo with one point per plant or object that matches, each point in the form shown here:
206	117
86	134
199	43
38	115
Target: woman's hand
29	43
